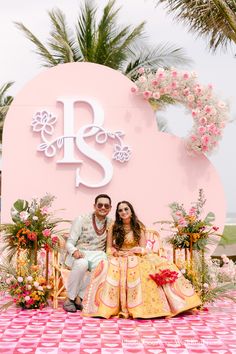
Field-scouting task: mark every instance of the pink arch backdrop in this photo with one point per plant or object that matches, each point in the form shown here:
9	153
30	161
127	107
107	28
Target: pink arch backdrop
159	171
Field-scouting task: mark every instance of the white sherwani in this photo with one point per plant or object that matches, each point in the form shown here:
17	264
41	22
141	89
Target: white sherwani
84	238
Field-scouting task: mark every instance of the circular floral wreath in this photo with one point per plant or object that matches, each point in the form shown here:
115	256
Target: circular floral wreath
209	113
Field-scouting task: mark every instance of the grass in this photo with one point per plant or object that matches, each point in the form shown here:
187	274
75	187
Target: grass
229	235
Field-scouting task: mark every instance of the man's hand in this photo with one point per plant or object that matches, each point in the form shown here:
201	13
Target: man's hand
77	254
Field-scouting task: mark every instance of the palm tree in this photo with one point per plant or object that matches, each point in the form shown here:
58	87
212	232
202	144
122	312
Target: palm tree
103	42
213	19
5	102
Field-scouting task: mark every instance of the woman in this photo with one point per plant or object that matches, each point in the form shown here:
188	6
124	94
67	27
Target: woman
122	285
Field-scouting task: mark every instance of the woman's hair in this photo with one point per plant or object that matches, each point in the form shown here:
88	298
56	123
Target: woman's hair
118	231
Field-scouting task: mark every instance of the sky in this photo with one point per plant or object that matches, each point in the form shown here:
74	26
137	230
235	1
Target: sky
19	63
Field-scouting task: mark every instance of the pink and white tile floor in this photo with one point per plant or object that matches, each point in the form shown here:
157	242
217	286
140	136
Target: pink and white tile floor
54	331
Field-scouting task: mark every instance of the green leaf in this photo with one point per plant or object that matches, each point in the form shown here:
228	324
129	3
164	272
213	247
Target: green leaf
21	205
209	218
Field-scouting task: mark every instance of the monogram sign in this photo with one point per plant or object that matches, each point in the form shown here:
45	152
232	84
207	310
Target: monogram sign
43	122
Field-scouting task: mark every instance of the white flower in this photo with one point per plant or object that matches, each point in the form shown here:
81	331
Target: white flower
36	284
27	298
49	287
29	287
40	288
24	215
20	279
35	217
29	278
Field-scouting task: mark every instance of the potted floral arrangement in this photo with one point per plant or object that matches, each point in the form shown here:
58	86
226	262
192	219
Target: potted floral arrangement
27	287
189	230
33	228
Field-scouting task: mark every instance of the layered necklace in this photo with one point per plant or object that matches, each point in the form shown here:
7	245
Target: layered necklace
98	231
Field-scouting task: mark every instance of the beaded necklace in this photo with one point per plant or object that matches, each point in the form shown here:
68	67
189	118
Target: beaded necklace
98	231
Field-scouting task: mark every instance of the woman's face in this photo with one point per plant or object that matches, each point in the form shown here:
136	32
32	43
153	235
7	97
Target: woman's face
124	212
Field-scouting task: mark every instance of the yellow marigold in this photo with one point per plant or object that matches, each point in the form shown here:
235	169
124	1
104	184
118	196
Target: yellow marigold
195	237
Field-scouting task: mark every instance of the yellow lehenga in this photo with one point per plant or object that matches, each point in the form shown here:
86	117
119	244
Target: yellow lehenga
121	286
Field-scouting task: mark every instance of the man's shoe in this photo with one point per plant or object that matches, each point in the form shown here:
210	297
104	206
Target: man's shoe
69	306
78	303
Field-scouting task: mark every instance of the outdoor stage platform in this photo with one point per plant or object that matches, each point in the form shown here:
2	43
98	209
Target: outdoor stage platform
55	331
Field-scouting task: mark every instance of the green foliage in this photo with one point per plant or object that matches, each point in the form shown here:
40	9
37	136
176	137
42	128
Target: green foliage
215	20
229	234
5	102
104	41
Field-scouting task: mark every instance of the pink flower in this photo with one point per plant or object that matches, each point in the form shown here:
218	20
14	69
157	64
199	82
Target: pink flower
174	84
55	239
212	128
154	82
147	94
205	139
160	74
182	222
192	211
201	130
186	75
46	232
215	228
208	109
156	95
193	137
202	121
141	70
174	73
134	89
44	210
186	92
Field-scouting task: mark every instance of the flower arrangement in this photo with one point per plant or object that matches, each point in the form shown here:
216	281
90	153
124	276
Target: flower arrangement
29	292
33	227
209	113
189	229
28	288
211	280
164	276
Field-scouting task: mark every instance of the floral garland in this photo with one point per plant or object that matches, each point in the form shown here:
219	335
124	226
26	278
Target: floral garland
209	113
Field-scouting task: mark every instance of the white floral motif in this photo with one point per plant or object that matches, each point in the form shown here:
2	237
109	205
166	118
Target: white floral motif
121	153
43	122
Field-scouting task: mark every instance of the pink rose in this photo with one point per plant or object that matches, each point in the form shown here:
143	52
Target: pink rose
134	89
201	130
46	232
147	94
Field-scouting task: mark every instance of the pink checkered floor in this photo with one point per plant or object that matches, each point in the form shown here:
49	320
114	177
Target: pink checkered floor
54	331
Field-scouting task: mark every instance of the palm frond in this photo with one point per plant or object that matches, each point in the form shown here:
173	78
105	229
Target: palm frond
62	41
164	55
85	30
213	19
48	58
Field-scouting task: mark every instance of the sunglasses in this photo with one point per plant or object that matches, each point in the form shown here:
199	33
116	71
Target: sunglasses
125	209
105	205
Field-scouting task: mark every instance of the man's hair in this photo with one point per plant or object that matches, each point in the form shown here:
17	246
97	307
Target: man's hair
102	196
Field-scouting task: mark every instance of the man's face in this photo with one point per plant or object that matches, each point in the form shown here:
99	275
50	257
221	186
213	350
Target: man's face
102	207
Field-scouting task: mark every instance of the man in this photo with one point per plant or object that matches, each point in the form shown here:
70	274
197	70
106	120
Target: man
86	248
